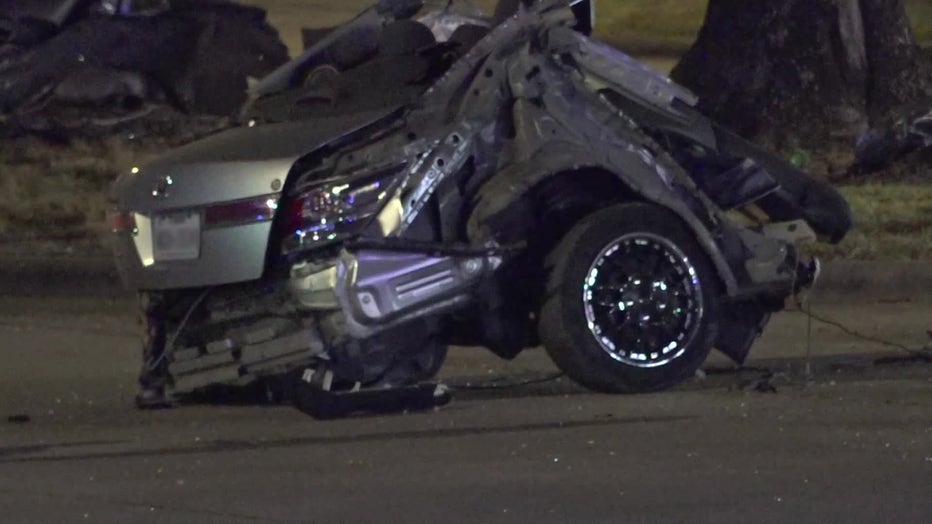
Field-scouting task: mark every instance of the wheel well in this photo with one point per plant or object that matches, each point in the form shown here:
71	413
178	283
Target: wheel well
558	203
563	199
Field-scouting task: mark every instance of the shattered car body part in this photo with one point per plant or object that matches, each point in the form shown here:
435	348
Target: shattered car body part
876	149
70	61
323	404
493	191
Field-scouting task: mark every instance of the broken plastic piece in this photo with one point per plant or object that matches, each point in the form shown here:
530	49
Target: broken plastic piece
328	405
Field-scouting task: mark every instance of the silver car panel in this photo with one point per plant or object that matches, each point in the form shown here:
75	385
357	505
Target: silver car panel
228	254
233	165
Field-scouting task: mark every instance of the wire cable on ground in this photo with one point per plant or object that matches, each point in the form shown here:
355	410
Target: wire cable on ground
867	338
803	302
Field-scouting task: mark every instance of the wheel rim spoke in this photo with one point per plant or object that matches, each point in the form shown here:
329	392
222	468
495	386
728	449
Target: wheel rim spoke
643	302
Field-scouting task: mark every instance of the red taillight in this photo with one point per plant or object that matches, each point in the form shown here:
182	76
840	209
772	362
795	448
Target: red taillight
245	211
313	206
121	221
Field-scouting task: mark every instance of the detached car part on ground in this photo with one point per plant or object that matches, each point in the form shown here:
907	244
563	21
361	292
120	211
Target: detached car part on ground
508	184
81	65
877	149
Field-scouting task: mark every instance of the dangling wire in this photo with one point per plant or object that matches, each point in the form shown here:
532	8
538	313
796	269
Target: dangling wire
170	343
804	303
916	352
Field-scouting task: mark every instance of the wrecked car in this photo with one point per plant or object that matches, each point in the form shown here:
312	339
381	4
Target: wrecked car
82	64
403	187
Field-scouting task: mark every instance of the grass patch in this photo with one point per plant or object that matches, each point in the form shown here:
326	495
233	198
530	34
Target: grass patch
892	222
920	14
640	26
59	194
636	22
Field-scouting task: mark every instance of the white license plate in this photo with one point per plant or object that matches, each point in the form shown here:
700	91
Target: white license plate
176	236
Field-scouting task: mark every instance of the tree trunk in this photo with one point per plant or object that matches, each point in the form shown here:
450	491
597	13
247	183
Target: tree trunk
899	75
794	71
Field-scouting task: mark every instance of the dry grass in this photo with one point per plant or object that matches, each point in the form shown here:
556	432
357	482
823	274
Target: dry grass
920	13
638	24
56	193
893	222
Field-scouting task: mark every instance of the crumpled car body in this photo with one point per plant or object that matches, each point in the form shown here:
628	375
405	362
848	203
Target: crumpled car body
70	63
514	184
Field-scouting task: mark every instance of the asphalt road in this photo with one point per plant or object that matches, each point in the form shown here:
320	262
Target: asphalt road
853	445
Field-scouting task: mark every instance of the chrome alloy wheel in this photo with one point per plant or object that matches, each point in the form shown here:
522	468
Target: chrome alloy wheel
643	300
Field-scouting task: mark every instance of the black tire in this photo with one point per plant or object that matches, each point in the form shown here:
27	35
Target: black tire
569	304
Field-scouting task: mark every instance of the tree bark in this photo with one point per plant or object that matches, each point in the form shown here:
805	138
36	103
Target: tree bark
899	75
794	71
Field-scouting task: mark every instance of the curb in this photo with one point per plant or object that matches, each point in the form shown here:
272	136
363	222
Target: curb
66	276
846	280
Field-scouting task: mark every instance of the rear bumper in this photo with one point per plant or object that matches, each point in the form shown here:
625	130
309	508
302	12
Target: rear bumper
228	255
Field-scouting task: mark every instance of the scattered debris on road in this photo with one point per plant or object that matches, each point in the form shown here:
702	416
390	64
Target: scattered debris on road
19	419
